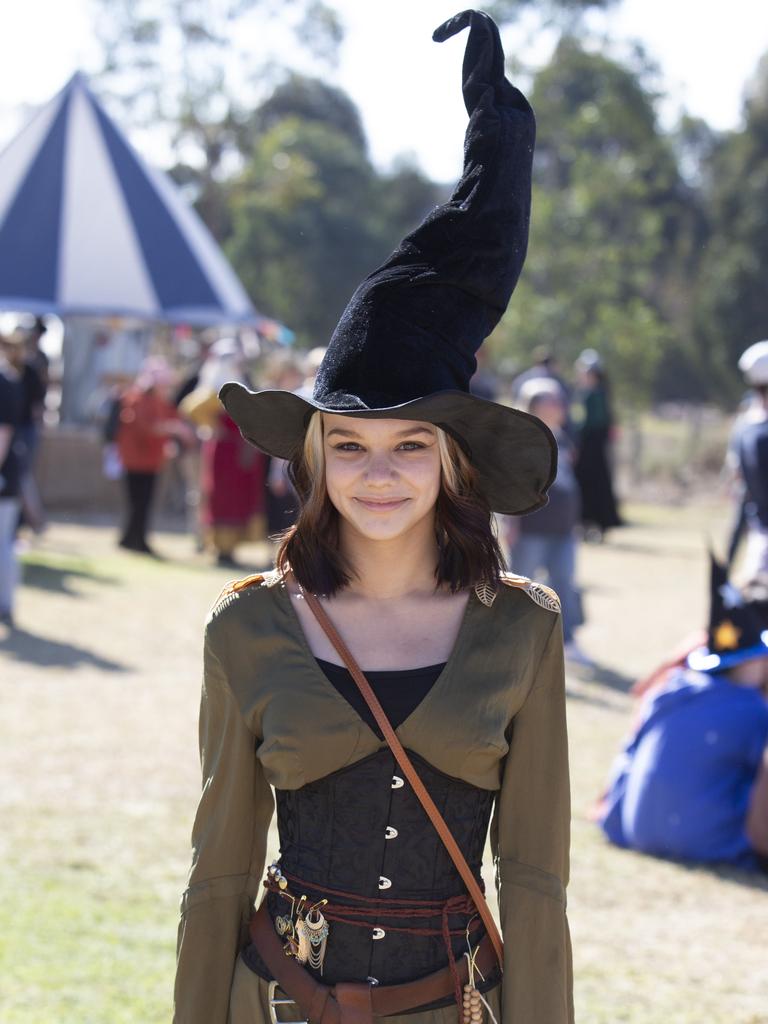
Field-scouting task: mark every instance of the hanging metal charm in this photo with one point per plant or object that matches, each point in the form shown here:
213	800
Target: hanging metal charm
317	930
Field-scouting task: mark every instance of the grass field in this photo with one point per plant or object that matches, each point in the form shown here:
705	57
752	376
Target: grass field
99	778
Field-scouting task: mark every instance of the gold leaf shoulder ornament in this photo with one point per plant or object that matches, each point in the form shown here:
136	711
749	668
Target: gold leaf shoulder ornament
257	579
543	596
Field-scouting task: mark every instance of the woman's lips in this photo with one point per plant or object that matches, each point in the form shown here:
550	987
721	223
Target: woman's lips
378	505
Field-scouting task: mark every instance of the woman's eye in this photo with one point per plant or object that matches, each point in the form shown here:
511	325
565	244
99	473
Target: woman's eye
353	446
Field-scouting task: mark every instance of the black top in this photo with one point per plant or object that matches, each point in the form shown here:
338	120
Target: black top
561	513
362	833
33	390
399	691
11	398
753	462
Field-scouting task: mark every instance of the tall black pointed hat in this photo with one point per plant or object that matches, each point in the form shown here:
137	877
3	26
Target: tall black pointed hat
405	345
738	621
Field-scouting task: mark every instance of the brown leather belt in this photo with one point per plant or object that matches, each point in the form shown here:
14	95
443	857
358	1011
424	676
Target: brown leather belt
354	1002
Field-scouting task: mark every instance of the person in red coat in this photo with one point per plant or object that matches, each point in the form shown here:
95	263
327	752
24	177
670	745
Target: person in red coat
232	472
147	421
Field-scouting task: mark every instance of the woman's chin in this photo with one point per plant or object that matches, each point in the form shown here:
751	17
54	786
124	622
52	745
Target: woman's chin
377	526
380	531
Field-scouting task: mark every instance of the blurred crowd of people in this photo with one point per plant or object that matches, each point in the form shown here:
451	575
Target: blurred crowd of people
233	493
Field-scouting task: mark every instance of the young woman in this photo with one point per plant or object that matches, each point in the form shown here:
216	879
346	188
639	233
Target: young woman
398	469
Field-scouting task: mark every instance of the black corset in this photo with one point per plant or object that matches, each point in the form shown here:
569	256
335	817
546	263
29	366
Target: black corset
363	831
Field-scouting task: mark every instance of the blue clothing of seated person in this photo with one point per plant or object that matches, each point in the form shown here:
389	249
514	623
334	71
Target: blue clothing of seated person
682	785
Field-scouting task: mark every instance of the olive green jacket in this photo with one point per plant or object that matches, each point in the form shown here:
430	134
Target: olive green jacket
494	718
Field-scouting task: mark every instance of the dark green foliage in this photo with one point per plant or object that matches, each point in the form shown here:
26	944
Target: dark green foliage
311	100
731	293
610	220
311	218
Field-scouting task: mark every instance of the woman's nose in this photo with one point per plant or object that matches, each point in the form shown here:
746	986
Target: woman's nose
379	468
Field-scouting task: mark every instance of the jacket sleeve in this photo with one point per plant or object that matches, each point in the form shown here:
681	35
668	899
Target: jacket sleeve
530	838
229	839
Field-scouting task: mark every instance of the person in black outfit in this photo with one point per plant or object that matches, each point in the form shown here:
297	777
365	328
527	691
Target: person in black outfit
599	511
31	365
11	454
751	456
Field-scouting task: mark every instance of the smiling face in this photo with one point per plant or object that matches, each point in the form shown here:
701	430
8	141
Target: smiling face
382	476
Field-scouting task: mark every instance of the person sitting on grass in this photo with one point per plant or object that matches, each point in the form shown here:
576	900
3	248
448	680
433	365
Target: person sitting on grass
684	786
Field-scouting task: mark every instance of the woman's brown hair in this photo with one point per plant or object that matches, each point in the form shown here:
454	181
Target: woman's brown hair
468	549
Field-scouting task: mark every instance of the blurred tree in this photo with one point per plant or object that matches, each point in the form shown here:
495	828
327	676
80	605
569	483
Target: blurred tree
611	224
178	64
300	234
731	295
310	100
311	216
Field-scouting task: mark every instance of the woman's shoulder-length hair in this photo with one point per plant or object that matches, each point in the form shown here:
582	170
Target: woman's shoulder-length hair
468	548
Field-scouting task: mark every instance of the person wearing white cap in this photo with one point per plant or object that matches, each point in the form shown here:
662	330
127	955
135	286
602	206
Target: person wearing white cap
545	541
753	363
750	455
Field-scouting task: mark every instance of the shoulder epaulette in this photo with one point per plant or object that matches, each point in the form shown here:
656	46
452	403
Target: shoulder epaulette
541	595
266	579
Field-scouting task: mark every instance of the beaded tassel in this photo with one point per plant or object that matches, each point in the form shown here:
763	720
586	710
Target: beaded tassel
472	1010
473	1001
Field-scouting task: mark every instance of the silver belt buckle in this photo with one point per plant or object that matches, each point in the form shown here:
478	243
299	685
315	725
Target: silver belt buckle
274	1002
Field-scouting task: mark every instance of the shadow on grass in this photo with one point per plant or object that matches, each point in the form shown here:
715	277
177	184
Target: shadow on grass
58	578
727	873
600	675
736	876
57	573
38	650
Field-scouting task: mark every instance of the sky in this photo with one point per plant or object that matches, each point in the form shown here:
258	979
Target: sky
406	86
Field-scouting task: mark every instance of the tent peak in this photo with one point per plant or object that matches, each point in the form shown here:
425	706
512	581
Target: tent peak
77	78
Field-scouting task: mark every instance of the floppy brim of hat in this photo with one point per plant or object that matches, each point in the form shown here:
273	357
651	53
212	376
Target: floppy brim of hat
704	660
514	453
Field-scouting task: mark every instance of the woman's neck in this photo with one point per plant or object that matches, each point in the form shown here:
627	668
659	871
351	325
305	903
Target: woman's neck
390	569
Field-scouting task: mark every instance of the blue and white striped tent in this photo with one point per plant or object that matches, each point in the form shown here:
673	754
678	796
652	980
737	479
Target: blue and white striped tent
87	228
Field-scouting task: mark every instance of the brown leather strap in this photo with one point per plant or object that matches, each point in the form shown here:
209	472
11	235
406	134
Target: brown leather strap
410	773
323	1005
354	1002
319	1003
